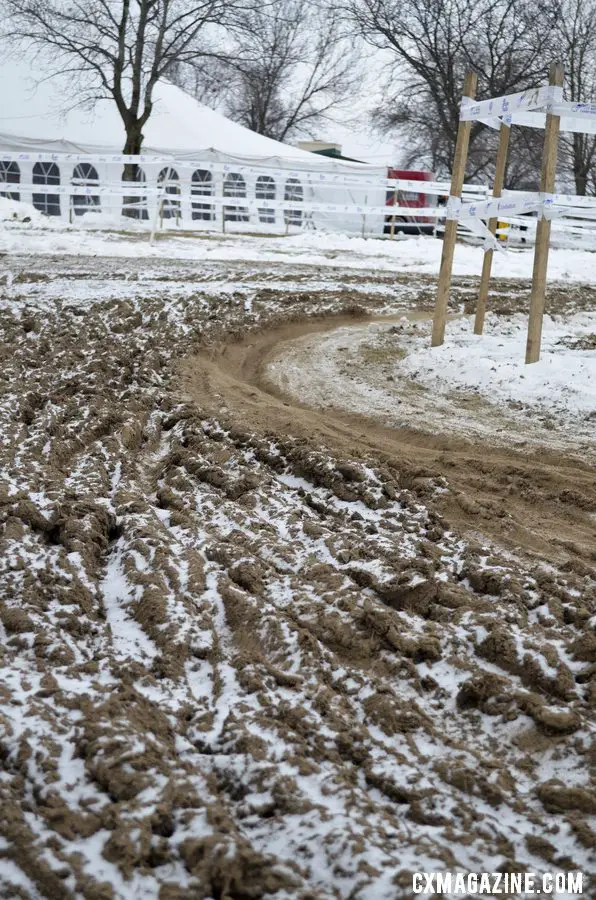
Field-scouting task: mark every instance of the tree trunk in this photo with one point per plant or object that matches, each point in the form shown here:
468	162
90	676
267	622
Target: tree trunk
580	168
581	184
580	176
133	172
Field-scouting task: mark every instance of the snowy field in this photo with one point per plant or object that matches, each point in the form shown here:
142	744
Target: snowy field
249	650
564	379
43	236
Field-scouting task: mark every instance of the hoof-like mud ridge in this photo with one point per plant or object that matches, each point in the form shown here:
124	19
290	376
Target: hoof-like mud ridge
252	650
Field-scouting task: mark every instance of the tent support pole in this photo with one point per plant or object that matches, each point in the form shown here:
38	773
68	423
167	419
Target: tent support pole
155	219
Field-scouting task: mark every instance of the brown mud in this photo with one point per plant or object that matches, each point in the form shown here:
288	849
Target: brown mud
541	502
250	650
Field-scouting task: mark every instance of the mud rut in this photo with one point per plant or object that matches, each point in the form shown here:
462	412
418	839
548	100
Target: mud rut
244	652
540	503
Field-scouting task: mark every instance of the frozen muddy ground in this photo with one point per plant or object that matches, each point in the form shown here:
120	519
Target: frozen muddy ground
472	386
253	650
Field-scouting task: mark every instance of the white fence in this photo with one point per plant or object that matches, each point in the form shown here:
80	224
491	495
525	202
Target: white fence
206	195
171	194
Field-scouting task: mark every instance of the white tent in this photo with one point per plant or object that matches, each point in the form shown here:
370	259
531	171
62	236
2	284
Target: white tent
192	149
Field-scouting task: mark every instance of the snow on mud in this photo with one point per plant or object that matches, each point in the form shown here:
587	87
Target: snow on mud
27	231
242	657
472	384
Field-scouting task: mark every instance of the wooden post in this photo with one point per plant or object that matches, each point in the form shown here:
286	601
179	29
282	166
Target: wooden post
457	180
547	184
492	227
156	214
392	229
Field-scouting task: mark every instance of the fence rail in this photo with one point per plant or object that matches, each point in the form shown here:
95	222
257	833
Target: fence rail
378	204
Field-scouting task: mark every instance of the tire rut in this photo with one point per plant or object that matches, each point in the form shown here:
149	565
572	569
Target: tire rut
540	503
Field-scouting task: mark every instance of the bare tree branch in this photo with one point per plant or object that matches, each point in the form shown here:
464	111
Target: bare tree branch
117	48
433	43
577	37
285	67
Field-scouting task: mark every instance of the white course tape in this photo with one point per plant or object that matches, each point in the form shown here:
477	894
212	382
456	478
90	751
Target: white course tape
491	209
573	122
140	193
558	199
86	190
479	228
574	110
507	207
511	103
453	208
323	180
493	122
546	210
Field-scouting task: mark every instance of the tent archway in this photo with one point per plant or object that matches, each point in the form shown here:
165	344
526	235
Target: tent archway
171	179
266	190
202	186
46	173
137	208
10	172
235	186
293	191
86	175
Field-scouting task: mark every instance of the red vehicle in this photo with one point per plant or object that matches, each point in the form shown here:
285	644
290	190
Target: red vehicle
414	200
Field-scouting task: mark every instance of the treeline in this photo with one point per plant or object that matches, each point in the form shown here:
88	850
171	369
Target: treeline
283	67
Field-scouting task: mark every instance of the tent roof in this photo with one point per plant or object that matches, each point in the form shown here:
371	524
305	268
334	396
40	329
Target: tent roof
37	112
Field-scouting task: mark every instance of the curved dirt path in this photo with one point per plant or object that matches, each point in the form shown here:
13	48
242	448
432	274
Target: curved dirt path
541	503
282	667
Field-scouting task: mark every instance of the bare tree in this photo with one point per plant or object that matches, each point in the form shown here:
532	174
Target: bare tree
286	67
117	49
433	44
577	37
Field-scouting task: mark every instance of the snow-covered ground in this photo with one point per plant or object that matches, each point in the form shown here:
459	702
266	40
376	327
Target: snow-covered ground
493	364
472	385
416	254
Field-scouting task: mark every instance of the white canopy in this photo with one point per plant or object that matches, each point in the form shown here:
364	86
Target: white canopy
39	113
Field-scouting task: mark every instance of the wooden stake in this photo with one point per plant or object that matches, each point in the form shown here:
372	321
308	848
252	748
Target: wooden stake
547	184
492	227
457	180
392	229
223	209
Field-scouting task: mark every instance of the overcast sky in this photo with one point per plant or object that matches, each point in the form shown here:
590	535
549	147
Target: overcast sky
350	125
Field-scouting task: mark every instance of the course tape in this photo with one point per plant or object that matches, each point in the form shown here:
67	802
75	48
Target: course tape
476	226
498	106
512	204
128	188
200	201
453	209
573	110
320	179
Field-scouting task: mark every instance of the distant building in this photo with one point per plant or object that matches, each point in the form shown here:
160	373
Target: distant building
325	148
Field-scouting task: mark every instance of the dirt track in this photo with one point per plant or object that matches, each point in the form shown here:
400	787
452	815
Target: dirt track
249	650
542	503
